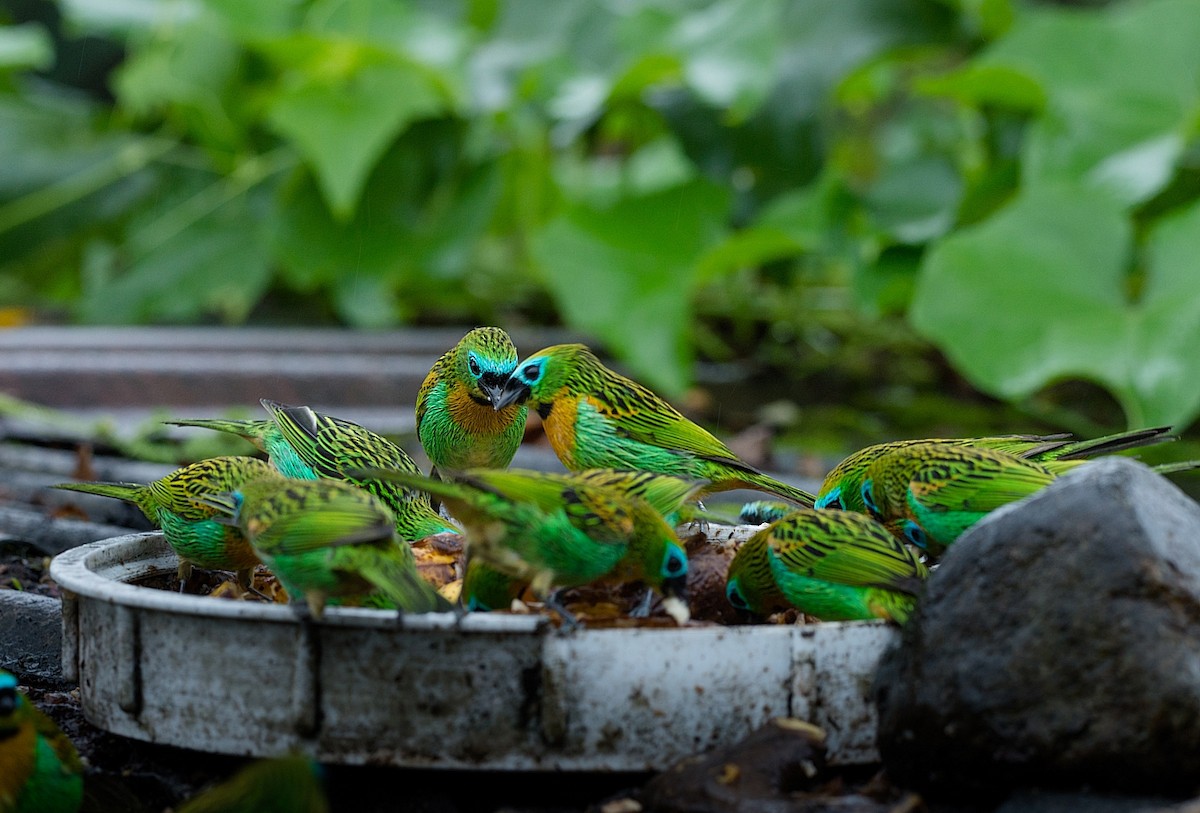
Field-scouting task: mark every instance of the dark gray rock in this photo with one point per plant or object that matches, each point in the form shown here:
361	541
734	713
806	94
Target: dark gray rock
31	635
1057	644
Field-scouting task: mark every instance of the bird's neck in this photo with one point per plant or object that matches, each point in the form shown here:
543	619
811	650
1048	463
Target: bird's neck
17	753
475	417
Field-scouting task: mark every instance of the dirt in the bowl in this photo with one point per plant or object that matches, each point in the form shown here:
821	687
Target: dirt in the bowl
217	584
440	561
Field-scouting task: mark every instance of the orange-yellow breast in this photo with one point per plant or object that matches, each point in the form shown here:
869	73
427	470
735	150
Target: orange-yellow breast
16	764
560	426
476	418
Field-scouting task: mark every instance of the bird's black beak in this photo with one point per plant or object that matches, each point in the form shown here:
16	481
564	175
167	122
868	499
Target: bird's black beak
675	601
492	385
513	392
676	586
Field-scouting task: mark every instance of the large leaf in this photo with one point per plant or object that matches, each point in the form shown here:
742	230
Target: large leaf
429	36
536	47
625	273
61	178
1039	293
730	53
782	144
402	233
343	105
187	75
261	18
1121	89
128	15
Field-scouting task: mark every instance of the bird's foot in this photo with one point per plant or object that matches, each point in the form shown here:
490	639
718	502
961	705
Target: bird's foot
642	610
569	622
254	591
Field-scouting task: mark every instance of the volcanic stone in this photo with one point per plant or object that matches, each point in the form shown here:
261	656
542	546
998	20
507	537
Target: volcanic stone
1058	643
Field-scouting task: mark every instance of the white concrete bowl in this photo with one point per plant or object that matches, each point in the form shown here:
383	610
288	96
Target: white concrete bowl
487	691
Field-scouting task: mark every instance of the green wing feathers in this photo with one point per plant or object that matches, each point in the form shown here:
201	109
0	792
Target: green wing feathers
392	571
845	548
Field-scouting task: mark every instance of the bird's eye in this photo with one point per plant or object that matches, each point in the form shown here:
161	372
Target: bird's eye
674	564
473	366
915	534
869	498
533	372
8	701
734	593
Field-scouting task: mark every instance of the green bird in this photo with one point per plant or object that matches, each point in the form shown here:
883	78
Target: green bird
327	539
553	532
282	785
485	588
597	418
266	437
305	444
336	448
930	493
835	565
193	529
842	487
458	422
40	770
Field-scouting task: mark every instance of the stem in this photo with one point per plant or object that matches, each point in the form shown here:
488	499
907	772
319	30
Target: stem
248	174
125	162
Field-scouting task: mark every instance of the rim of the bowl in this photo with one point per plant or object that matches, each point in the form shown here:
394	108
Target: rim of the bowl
79	571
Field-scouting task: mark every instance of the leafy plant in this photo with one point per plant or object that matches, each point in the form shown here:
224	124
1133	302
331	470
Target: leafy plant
1017	182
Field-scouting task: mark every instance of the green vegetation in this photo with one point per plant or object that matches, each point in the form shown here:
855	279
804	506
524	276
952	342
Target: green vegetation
825	185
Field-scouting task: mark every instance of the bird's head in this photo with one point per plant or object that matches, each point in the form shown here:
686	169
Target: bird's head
484	359
674	583
10	702
830	499
749	585
736	596
540	376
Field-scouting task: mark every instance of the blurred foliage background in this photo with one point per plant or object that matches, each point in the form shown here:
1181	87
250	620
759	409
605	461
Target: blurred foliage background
899	214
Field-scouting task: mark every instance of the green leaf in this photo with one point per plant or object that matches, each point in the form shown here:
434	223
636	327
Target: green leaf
748	248
366	301
982	84
731	49
344	109
261	18
1165	365
1121	92
25	46
403	28
1040	292
886	285
536	46
604	179
626	273
122	16
401	232
915	200
182	263
187	69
